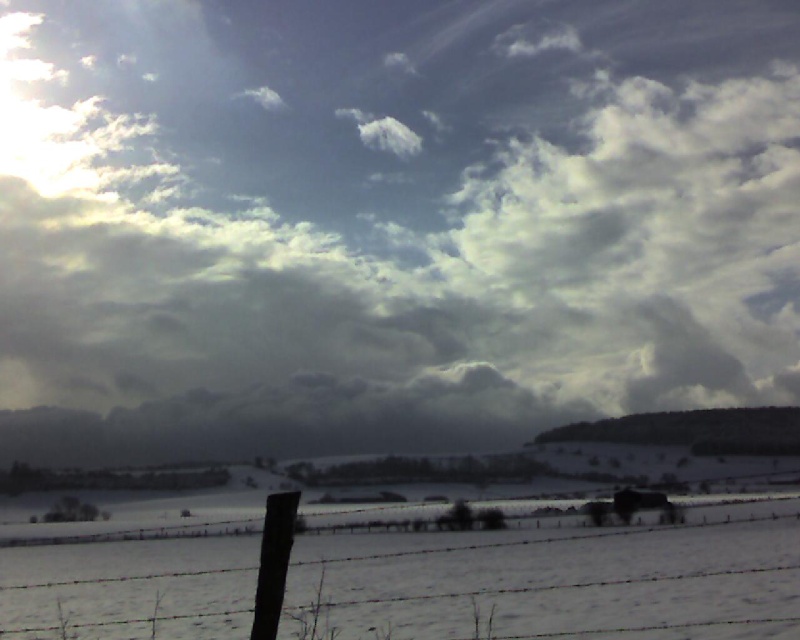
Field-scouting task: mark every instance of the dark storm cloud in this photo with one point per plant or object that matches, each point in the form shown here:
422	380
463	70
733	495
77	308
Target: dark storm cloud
469	408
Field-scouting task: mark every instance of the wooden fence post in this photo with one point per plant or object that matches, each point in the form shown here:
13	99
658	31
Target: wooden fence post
276	546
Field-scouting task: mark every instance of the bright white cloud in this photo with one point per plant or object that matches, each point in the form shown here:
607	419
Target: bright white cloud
384	134
266	97
15	31
89	62
388	134
685	193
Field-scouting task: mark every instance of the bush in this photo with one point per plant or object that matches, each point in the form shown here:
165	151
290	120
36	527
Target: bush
462	515
492	519
597	512
71	509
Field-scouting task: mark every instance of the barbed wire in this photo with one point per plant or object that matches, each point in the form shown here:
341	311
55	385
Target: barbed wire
518	543
628	531
120	535
140	533
151	576
111	623
579	585
642	629
554	634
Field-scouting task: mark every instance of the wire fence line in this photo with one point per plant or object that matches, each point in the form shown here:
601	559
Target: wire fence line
628	531
463	594
448	595
556	587
643	629
146	533
535	636
115	623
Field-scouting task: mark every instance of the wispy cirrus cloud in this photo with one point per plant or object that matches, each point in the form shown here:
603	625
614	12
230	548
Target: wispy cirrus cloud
268	98
436	121
401	62
527	41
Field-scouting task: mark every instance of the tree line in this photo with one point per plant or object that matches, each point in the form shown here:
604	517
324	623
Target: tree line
768	431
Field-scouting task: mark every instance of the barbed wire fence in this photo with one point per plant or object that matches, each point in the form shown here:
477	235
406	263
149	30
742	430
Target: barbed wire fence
498	593
251	526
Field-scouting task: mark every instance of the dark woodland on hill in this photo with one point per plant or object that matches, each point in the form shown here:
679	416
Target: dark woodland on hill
768	431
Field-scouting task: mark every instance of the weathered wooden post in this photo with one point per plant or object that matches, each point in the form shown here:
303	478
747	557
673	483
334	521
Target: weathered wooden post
276	547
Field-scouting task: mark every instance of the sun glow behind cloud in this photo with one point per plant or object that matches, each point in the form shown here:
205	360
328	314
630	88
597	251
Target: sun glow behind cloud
52	147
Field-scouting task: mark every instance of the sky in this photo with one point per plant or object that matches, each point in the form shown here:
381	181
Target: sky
417	225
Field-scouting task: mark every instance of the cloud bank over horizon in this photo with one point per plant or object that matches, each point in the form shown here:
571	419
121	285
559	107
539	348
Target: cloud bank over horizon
588	222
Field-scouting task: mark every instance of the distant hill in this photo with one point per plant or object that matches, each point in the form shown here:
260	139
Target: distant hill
767	431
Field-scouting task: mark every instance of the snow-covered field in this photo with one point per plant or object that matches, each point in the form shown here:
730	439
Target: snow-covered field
542	577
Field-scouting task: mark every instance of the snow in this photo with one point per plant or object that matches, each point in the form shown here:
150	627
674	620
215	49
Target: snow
541	575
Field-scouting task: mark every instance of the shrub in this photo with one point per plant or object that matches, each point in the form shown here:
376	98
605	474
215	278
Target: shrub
492	519
70	509
462	515
597	512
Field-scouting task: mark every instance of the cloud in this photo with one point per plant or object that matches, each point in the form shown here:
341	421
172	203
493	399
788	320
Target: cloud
388	134
399	61
470	407
683	364
127	60
680	195
527	41
269	99
646	261
384	134
15	36
15	30
436	121
361	117
89	62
